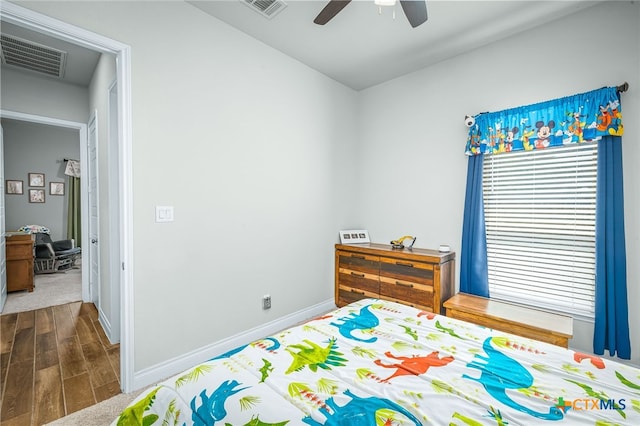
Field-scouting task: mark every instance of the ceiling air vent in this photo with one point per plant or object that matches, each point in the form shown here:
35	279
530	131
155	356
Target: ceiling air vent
266	8
32	56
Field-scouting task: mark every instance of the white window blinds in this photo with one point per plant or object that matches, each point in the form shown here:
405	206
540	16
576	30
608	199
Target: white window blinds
540	220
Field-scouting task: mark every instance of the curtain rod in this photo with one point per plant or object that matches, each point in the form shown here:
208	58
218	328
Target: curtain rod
623	87
470	120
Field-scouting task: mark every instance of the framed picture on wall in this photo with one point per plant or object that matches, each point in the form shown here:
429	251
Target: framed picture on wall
354	236
14	187
36	195
56	188
36	179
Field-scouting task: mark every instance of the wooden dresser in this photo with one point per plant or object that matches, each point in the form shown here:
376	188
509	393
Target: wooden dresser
19	248
418	277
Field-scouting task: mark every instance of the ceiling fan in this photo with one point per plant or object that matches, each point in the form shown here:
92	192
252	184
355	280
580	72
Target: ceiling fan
414	10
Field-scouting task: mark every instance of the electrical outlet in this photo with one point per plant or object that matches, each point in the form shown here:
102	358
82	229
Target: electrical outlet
266	302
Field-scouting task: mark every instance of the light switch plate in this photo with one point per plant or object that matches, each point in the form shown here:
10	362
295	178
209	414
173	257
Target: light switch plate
164	214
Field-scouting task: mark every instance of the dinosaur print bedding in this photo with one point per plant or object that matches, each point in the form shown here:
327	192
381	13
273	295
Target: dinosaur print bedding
376	362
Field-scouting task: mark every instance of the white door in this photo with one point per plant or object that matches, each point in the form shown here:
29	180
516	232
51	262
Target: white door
3	257
92	186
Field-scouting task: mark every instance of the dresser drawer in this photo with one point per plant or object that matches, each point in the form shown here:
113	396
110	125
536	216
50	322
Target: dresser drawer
348	295
358	280
20	251
358	262
406	270
411	293
357	276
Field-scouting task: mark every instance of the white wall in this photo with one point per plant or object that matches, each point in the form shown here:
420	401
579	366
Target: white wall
28	93
252	149
412	135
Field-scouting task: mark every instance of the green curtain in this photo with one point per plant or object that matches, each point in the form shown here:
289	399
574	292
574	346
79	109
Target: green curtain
73	218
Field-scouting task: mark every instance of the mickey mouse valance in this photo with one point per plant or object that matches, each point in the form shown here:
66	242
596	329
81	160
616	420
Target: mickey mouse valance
573	119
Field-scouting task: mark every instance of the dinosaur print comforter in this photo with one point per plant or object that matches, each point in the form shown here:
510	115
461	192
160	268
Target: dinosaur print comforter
376	362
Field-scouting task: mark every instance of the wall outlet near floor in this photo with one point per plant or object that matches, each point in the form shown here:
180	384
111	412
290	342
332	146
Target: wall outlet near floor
266	302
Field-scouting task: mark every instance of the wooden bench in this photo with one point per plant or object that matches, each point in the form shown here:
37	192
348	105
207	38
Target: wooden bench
520	320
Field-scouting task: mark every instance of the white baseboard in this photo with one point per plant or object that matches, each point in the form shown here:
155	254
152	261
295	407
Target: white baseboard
106	325
168	368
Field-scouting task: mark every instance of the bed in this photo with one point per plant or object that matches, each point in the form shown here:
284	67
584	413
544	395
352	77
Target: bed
376	362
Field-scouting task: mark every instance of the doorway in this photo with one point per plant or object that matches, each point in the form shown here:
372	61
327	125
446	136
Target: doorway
26	18
42	146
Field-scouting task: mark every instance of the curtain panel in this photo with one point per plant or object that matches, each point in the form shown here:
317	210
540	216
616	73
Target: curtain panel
73	211
573	119
611	329
74	215
474	272
594	116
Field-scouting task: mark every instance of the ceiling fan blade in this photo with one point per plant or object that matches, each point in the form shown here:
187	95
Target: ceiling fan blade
330	10
415	10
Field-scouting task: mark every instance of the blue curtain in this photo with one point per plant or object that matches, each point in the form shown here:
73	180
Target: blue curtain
473	258
611	323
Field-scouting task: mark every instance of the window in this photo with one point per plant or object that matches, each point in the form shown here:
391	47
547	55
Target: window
540	221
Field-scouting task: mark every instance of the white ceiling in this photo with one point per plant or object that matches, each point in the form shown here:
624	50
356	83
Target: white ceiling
361	48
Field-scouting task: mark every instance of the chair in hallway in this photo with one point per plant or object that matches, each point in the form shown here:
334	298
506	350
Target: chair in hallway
52	256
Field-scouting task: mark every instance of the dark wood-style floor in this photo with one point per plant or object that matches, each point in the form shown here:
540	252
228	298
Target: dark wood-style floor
54	361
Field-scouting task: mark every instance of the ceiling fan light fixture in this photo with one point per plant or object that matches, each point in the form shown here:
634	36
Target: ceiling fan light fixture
414	10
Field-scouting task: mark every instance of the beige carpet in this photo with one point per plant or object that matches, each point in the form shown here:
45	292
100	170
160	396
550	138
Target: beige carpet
101	414
50	290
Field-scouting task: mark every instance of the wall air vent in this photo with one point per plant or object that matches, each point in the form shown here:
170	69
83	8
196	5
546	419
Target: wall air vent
266	8
32	56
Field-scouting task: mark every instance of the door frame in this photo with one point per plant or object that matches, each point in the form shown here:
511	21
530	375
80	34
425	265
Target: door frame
27	18
91	169
114	208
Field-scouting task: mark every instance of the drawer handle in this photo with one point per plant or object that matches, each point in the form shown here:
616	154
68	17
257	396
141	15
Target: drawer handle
355	274
408	285
410	265
357	292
